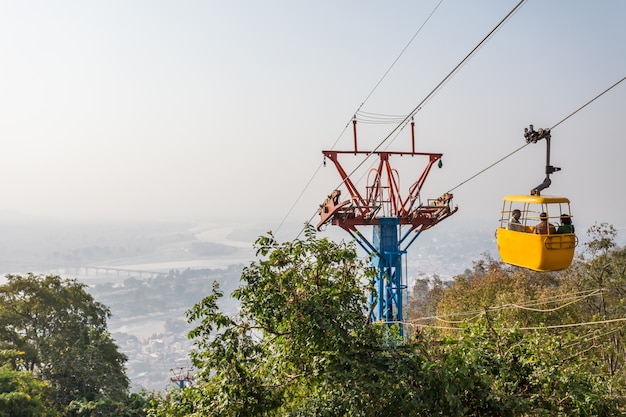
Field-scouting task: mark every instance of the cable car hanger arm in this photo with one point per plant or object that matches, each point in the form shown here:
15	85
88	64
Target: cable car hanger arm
533	136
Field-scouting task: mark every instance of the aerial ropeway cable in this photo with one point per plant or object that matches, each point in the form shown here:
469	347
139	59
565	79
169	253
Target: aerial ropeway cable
536	232
528	143
404	121
358	110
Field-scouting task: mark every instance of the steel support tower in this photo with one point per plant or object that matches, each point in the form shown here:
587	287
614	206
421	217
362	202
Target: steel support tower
396	223
182	377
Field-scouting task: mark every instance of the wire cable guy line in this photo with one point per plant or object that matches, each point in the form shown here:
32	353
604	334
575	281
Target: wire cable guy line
567	298
475	314
452	73
357	110
552	128
555	326
562	326
589	102
488	167
395	61
434	91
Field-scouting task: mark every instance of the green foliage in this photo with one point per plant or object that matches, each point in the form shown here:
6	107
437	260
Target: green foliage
62	332
602	270
21	394
301	345
178	403
526	374
133	405
602	239
302	308
581	362
493	287
425	296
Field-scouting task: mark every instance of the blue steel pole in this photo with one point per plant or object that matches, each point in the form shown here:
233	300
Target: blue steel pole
388	282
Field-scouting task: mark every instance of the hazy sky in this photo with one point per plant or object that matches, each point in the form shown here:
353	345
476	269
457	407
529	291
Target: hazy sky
219	110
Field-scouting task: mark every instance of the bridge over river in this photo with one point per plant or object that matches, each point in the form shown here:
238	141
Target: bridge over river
87	271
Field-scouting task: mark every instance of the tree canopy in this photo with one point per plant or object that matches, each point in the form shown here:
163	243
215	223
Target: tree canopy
61	335
21	393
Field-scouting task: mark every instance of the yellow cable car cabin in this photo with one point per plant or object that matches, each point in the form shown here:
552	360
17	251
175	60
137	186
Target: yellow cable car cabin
536	232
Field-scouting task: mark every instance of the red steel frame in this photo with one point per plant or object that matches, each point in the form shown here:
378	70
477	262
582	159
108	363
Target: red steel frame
383	189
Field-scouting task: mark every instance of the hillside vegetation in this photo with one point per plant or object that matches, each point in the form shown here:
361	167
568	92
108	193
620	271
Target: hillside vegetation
495	341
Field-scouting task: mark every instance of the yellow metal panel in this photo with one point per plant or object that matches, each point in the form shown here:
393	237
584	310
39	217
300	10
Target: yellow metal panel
536	252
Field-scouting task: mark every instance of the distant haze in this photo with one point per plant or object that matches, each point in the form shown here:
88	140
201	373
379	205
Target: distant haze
218	111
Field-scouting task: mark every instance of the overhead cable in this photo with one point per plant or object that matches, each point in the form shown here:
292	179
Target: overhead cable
394	132
526	144
358	109
588	103
569	298
450	74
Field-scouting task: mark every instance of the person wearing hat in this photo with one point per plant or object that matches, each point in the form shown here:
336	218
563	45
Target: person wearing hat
544	228
566	225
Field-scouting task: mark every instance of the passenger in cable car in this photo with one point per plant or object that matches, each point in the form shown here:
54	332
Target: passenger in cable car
566	225
514	223
543	227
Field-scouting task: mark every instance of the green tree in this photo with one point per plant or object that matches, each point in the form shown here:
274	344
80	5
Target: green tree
509	293
134	405
567	304
425	296
601	272
526	374
21	394
63	333
302	345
